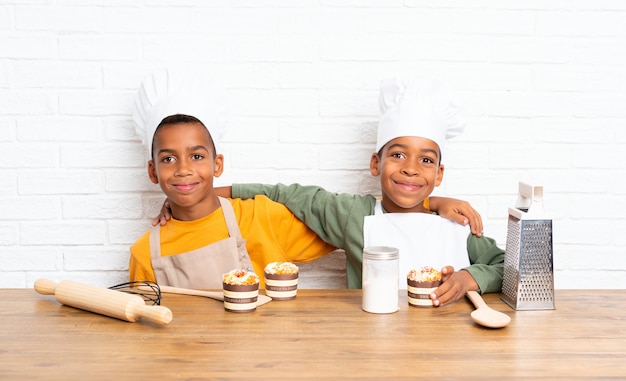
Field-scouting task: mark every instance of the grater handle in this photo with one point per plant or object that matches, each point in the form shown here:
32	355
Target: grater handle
530	197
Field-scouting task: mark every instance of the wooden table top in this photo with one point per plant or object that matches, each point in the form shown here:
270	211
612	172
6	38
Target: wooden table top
320	334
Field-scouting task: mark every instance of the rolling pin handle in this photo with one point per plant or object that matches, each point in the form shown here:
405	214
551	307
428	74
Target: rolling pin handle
155	314
45	286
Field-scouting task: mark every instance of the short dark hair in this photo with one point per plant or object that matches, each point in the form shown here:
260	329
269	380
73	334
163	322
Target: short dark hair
180	119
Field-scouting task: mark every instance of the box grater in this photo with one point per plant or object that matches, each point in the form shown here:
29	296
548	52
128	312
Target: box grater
528	282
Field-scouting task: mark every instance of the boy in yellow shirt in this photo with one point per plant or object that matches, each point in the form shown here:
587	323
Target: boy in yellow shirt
174	115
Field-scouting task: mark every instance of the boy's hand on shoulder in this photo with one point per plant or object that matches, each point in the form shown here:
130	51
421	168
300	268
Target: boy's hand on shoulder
458	211
453	287
164	216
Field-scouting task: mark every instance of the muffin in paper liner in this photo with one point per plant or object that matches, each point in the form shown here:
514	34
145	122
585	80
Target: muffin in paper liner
281	280
241	290
420	284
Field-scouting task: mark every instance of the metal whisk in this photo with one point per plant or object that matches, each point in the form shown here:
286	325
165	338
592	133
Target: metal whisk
147	289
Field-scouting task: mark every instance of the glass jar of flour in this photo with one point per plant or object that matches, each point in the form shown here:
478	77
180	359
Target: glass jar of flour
380	279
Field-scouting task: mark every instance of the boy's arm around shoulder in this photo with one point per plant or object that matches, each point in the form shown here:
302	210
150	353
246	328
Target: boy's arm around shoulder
487	263
332	216
300	199
276	192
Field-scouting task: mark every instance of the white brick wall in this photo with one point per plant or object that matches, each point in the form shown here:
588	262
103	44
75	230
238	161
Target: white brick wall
544	82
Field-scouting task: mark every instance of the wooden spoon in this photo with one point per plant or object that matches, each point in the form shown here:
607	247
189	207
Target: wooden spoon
217	295
485	315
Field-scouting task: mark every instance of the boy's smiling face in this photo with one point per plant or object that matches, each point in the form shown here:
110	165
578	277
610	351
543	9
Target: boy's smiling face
409	171
184	166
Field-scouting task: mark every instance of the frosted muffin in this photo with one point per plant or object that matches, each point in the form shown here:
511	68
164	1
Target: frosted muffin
420	283
281	280
241	290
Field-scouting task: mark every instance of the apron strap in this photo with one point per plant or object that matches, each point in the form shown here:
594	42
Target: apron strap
155	242
233	231
231	220
378	208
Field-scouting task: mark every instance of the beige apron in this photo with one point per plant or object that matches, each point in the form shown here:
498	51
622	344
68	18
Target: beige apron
422	239
201	268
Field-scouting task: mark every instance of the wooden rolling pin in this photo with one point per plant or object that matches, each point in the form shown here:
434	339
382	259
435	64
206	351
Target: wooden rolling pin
103	301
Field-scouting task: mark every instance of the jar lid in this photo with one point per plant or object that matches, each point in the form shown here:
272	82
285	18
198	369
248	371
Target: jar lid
380	252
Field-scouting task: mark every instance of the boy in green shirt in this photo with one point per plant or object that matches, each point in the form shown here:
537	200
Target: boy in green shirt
418	115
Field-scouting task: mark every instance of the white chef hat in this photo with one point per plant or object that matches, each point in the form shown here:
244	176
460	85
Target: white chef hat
418	106
179	91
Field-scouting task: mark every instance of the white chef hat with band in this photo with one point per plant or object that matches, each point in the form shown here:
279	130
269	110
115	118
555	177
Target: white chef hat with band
418	106
173	91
